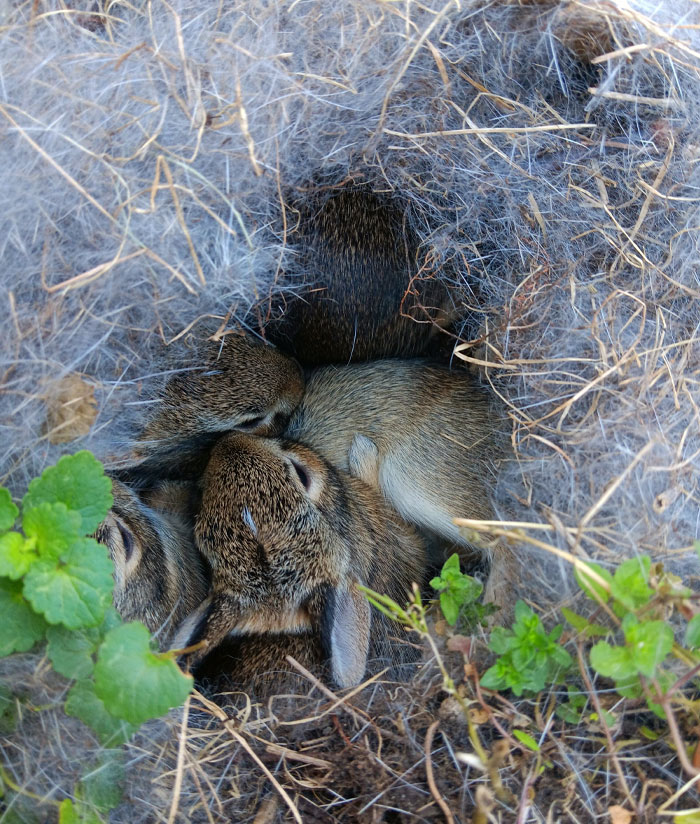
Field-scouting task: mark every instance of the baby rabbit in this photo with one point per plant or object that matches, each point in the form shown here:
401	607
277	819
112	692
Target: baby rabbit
159	577
422	434
289	539
245	385
361	258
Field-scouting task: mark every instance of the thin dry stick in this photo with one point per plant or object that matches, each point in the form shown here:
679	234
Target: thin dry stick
180	767
429	773
92	274
611	745
613	486
337	702
162	166
676	736
553	127
47	157
229	727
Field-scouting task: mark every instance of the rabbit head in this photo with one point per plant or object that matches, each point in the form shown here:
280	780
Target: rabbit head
289	539
159	577
241	385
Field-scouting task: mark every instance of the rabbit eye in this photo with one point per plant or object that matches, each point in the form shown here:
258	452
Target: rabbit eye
127	541
302	474
251	423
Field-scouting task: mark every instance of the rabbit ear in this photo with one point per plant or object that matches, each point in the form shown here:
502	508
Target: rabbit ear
345	634
211	622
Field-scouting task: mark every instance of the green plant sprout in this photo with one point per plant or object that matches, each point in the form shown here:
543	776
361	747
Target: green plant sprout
459	595
529	658
56	587
638	598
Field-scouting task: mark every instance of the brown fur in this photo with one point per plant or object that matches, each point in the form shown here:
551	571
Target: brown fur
159	575
245	385
361	259
288	539
428	440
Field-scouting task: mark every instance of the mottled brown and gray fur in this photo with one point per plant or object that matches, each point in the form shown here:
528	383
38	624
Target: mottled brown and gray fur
361	258
238	384
288	539
426	436
159	577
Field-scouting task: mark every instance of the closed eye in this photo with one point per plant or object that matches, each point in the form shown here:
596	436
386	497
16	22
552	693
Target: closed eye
252	423
301	473
127	540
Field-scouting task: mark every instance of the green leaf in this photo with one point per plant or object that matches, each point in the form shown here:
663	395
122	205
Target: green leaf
79	482
649	643
527	740
495	678
21	626
71	651
523	613
693	817
16	555
629	585
501	640
8	712
83	703
103	785
135	683
67	813
692	632
53	527
8	510
451	564
589	585
612	662
75	592
568	713
449	606
583	625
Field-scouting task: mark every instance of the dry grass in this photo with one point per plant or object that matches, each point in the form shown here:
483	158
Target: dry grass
562	207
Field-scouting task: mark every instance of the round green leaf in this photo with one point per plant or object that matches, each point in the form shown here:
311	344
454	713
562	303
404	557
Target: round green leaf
75	591
8	511
16	555
692	632
102	785
82	703
70	650
21	626
53	527
612	662
629	584
67	813
133	682
649	643
79	482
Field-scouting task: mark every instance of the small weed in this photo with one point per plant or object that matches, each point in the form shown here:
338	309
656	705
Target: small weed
56	587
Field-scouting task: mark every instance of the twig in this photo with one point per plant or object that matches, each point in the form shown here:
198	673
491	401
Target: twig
611	745
229	727
337	702
429	773
179	769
